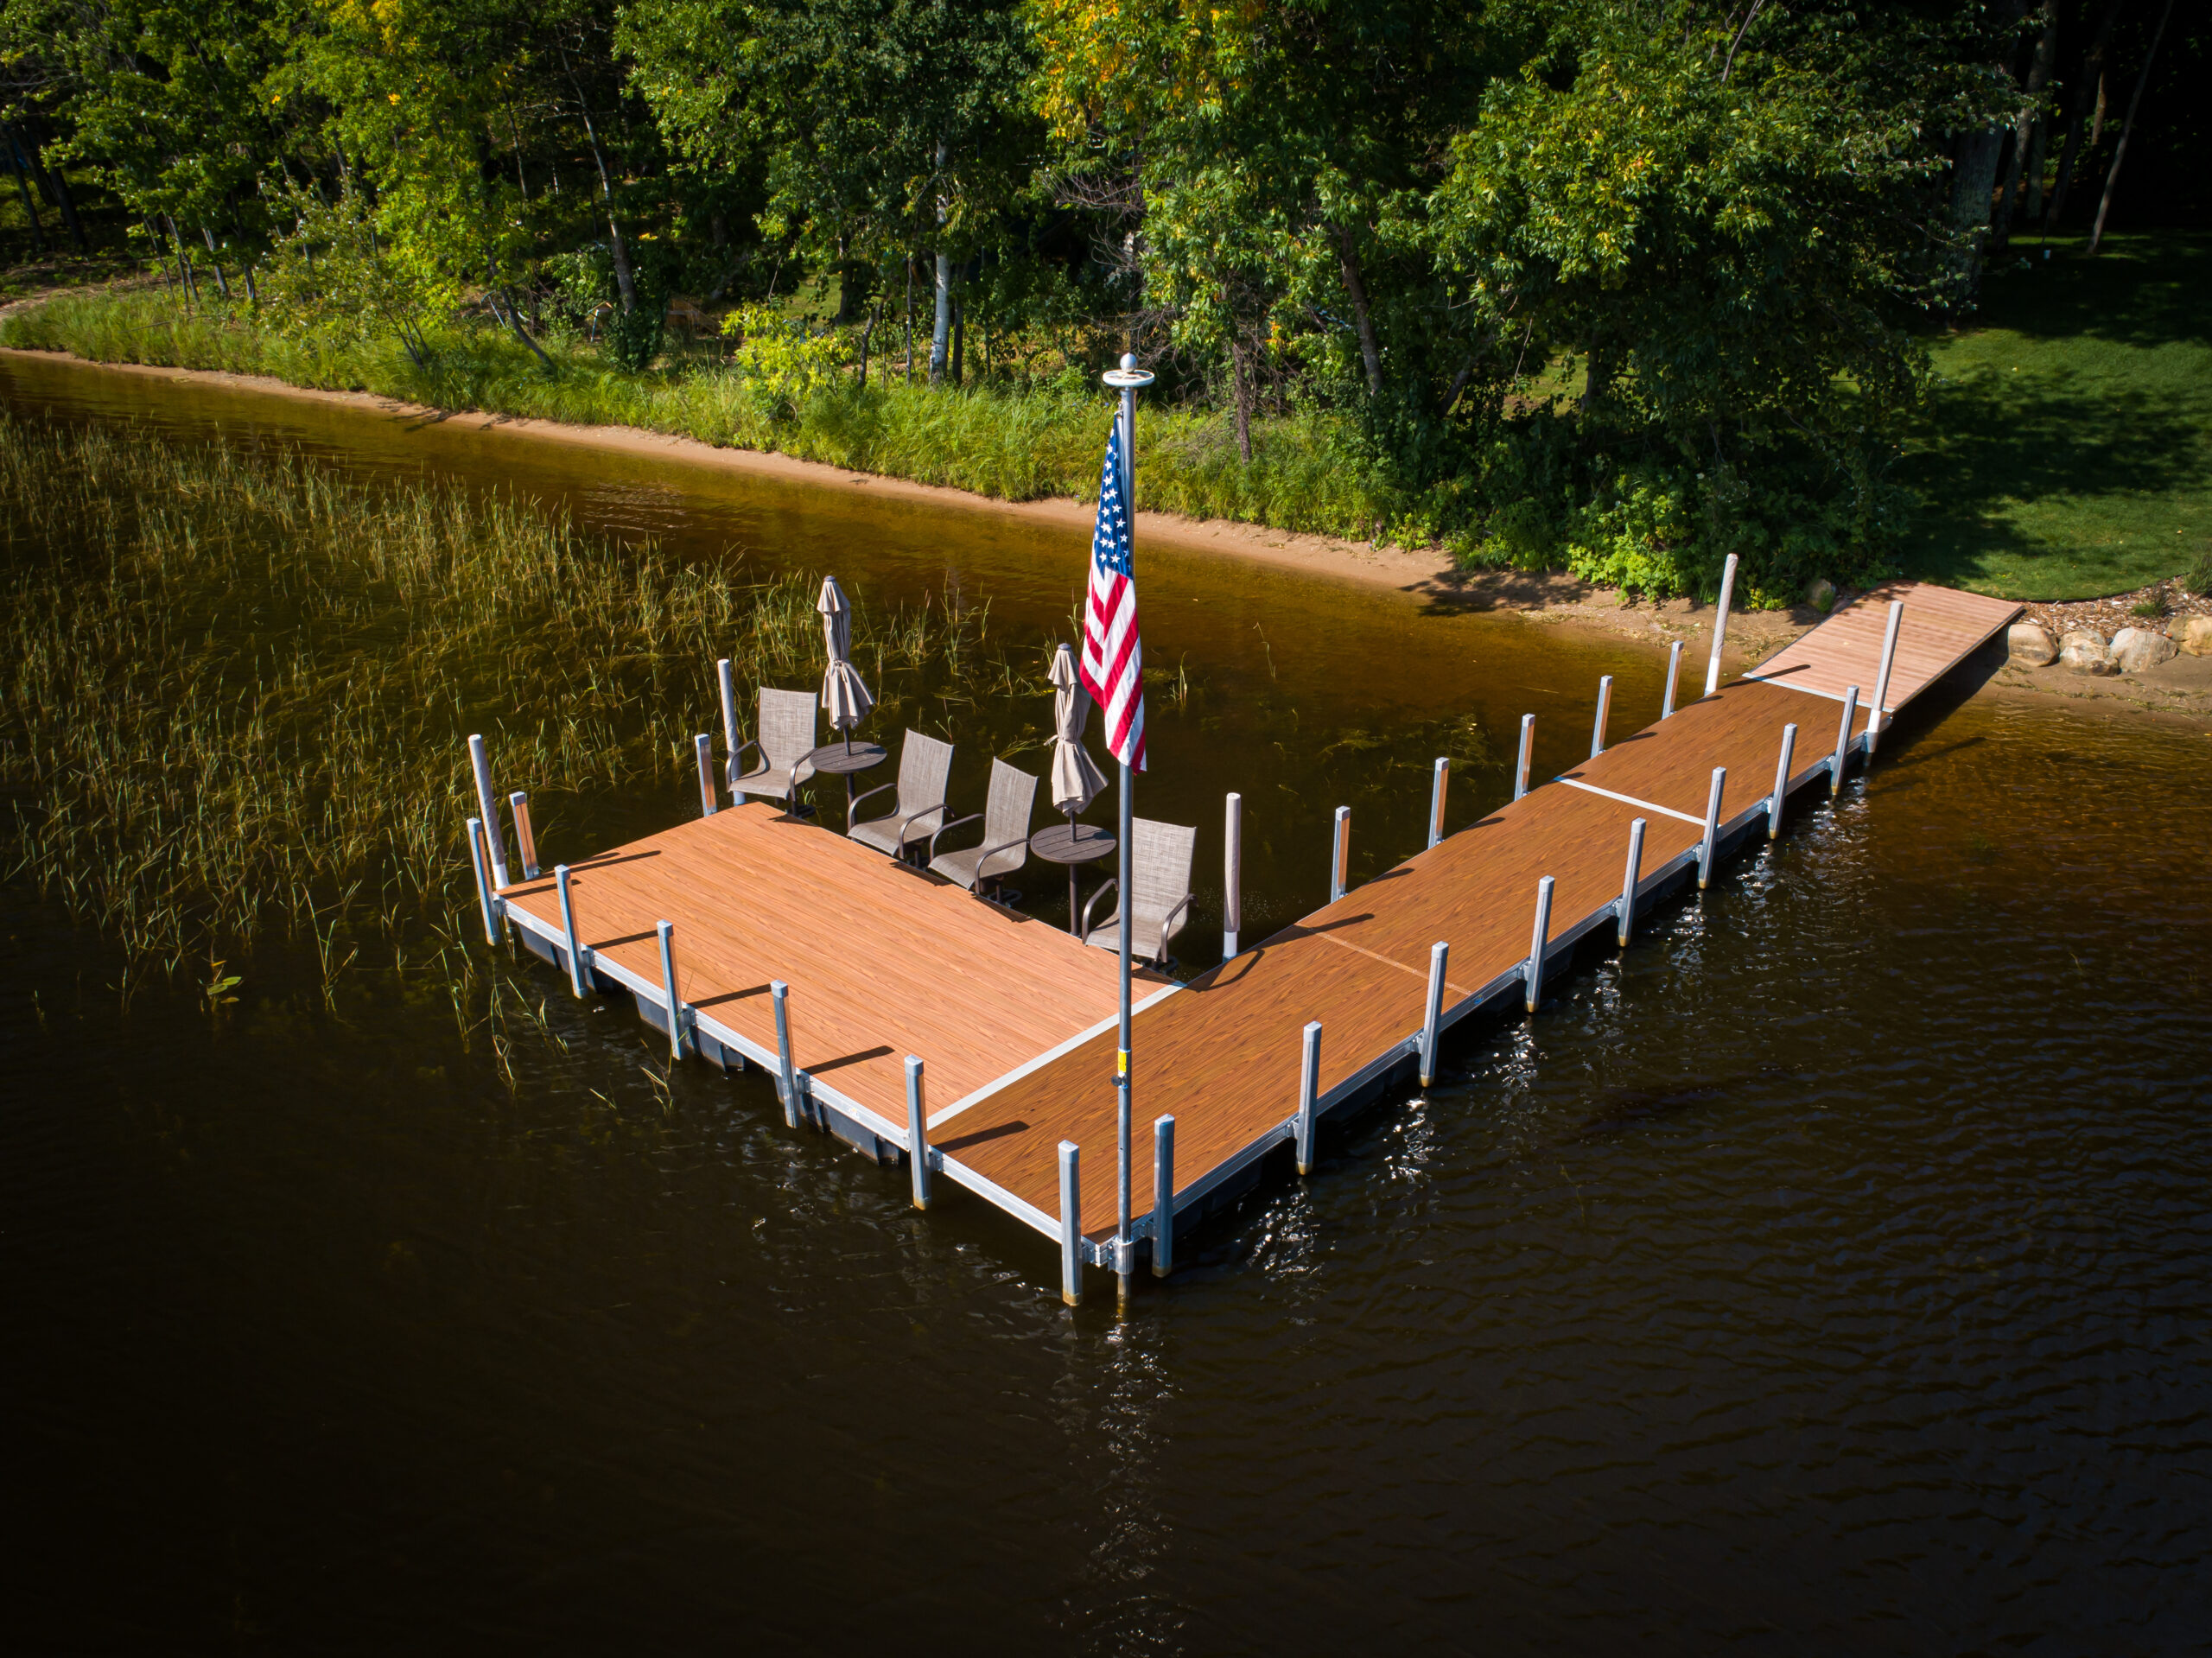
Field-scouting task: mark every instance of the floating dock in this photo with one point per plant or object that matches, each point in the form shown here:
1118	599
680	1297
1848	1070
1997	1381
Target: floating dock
793	948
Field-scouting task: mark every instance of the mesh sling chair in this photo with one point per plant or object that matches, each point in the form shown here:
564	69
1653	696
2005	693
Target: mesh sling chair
1005	846
786	728
925	765
1159	878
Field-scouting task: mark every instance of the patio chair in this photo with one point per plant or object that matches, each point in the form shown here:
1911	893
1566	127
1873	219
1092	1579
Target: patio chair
1005	846
924	764
786	728
1160	876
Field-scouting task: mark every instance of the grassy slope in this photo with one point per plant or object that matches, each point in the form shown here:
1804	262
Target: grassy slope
2066	449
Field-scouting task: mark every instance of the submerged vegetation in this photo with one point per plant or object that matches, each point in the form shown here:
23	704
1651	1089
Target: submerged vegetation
239	685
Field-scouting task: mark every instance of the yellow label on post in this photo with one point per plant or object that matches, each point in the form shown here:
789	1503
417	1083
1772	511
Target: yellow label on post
1120	1062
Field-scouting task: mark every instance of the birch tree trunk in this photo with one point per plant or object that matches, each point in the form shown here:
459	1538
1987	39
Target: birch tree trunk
1370	352
2092	87
2127	127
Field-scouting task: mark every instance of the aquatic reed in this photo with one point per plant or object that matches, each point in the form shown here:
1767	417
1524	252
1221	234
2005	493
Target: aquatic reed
239	684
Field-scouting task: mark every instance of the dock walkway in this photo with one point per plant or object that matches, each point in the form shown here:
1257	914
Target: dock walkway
1015	1020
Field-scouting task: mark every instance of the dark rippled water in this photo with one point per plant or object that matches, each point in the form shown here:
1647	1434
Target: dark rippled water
1829	1273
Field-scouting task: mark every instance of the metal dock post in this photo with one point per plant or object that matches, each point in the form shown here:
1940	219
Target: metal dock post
1309	1091
704	746
1232	874
1875	714
726	683
1071	1223
1604	707
1712	827
1627	905
1532	974
1339	854
484	899
1163	1197
918	1133
665	931
576	980
525	838
1842	742
1432	1014
480	762
786	1073
1720	625
1521	766
1443	774
1674	672
1781	795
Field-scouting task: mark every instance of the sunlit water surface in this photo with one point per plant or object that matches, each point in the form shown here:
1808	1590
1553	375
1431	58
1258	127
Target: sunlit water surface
1829	1273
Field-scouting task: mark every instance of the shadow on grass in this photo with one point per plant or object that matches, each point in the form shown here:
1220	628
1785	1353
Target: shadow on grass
2139	290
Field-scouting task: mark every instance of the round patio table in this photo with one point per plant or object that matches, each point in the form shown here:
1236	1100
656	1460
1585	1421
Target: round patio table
1072	844
842	760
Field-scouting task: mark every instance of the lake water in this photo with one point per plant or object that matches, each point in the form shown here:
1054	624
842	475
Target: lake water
1832	1271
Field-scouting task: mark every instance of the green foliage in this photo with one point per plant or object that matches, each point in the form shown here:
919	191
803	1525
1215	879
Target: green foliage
788	358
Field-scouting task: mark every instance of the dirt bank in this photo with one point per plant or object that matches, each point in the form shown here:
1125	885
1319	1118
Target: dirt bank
2178	690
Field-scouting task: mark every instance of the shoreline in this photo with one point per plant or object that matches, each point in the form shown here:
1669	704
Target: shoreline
2178	690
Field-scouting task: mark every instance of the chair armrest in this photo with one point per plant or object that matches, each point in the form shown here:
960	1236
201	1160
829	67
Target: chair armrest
1112	881
852	812
991	852
733	772
906	823
1167	927
944	829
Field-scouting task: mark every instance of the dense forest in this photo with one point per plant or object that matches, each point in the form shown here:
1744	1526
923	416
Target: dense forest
1620	285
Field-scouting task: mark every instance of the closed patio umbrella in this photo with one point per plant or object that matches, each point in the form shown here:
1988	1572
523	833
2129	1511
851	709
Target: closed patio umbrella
844	698
1076	779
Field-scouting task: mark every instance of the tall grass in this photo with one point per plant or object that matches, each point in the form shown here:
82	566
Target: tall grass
1021	443
238	687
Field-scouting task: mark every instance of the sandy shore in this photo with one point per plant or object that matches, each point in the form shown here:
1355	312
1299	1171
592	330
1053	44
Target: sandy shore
2180	689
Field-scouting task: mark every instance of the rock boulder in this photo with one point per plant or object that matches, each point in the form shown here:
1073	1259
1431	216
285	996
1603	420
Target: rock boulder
2032	645
1820	594
2193	634
2085	653
2134	649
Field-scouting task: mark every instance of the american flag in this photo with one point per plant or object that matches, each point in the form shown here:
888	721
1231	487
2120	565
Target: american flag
1113	656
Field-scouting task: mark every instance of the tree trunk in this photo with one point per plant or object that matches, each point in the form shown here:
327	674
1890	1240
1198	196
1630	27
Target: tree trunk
222	284
30	202
2024	129
1370	354
513	319
52	187
2092	87
69	212
625	282
910	316
874	311
2134	102
1974	177
959	342
940	328
1242	387
2038	155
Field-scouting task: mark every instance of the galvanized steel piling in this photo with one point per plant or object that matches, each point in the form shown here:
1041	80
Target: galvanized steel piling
786	1073
1521	766
1440	953
1720	625
1339	853
1875	714
1071	1223
483	899
1842	741
666	932
918	1133
576	980
1674	672
525	838
1532	973
1712	827
1604	707
1232	875
1626	908
1309	1094
703	746
480	762
1443	773
1163	1197
1779	798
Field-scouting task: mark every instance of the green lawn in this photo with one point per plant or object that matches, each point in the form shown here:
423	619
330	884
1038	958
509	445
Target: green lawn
2066	449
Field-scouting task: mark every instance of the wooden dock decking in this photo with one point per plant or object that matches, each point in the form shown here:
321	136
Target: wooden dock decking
1015	1020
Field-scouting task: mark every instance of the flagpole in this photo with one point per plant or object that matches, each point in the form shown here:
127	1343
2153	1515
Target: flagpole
1127	380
